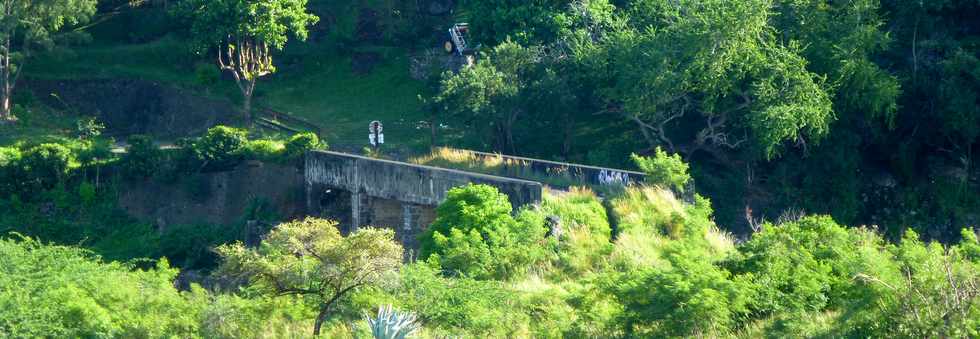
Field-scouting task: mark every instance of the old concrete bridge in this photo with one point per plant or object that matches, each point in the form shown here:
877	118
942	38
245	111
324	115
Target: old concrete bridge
392	194
359	191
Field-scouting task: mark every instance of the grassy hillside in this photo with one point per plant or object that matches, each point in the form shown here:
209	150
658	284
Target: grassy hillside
315	78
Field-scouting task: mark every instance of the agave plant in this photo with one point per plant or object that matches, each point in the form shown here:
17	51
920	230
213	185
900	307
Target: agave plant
392	324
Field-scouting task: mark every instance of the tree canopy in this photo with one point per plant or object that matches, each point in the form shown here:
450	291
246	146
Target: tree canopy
310	258
26	25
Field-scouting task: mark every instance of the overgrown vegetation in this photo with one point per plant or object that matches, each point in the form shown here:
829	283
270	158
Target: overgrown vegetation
665	271
801	120
65	191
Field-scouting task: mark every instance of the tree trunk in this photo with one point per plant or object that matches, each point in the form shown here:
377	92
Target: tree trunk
247	108
320	318
247	92
5	105
5	86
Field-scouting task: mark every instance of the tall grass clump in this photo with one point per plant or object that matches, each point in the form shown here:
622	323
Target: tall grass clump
586	234
651	218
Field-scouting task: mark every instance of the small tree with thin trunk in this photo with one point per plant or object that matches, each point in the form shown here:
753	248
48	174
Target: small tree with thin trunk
244	33
312	259
27	24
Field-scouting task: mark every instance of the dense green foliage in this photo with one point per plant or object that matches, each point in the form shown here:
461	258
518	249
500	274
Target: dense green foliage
27	25
475	235
223	148
56	291
777	103
245	32
53	291
310	258
665	170
800	278
812	114
143	158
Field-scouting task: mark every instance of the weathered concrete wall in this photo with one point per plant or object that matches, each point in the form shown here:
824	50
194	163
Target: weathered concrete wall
395	195
416	184
216	198
576	174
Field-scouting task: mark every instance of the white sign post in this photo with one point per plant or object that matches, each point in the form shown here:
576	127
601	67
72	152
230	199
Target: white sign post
376	136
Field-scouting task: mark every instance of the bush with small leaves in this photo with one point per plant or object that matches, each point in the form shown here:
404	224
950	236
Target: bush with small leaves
298	144
45	165
475	235
264	150
10	170
668	171
142	159
221	147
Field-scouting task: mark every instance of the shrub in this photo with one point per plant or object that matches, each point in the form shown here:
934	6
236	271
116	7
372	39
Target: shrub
689	296
264	150
46	164
668	171
94	151
65	292
585	227
649	208
220	148
10	171
466	307
912	290
475	235
143	158
298	144
800	265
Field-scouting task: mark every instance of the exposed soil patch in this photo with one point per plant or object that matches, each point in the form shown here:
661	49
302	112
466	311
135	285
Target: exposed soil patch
130	106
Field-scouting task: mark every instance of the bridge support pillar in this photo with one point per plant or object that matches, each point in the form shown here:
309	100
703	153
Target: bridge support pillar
360	205
410	225
355	209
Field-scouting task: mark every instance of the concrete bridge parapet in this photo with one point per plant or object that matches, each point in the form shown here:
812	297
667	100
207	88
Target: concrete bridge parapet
392	194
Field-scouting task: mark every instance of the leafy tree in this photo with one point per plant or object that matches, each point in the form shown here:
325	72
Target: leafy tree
245	33
56	291
494	90
310	258
717	67
475	235
29	24
665	170
525	21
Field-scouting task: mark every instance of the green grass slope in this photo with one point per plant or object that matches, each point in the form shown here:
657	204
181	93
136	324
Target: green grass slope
315	79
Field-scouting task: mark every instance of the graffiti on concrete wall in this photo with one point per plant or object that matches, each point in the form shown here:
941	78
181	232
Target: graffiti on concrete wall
611	177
